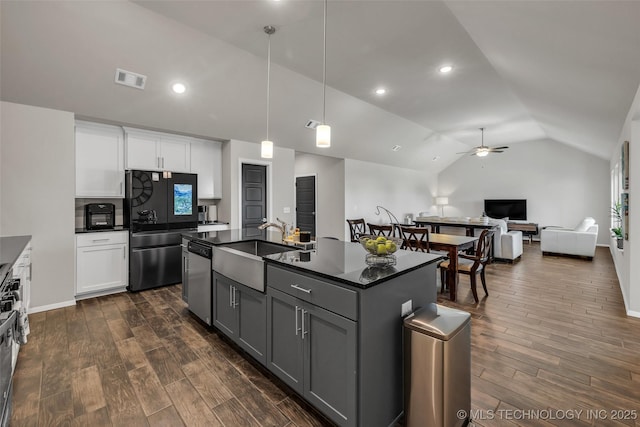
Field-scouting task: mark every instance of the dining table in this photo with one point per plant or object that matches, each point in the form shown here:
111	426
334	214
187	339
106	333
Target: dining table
469	225
452	244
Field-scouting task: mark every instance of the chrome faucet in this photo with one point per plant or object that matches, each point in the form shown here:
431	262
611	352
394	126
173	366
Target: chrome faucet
282	227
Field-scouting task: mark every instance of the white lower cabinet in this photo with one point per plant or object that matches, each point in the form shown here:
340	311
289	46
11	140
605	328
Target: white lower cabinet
102	262
22	271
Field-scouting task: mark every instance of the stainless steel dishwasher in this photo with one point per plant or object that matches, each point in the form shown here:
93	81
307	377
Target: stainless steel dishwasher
199	279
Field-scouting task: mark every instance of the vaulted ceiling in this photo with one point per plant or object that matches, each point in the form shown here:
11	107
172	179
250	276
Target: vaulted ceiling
524	70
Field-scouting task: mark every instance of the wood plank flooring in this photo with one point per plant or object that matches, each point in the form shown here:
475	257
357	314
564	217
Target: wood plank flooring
552	335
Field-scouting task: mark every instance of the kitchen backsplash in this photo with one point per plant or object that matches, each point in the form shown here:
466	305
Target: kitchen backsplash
80	203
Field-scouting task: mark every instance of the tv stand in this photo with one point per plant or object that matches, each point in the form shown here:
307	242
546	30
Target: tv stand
529	229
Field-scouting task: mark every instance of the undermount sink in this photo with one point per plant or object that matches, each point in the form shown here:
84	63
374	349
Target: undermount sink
242	261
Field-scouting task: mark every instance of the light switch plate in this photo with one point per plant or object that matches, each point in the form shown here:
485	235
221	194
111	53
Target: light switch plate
407	307
287	209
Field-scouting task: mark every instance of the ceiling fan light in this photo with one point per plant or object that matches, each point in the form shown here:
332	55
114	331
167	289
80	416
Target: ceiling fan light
482	152
266	149
323	136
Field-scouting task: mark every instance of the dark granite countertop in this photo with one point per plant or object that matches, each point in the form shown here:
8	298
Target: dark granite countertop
332	259
345	262
215	238
10	249
116	228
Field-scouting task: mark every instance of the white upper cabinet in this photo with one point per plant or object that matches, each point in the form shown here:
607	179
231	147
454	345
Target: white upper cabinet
175	154
148	150
206	161
99	160
142	151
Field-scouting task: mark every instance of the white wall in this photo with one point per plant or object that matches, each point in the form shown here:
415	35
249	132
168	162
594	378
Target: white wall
627	261
37	188
329	173
280	180
402	191
562	185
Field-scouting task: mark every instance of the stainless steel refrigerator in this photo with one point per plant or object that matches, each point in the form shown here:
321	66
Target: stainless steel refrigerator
158	208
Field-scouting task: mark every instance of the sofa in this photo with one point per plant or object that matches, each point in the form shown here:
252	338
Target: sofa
578	241
507	245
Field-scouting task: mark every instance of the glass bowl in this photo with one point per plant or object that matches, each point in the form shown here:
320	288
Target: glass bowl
377	255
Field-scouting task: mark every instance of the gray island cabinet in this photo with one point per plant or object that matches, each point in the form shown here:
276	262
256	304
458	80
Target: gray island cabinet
326	324
240	313
334	327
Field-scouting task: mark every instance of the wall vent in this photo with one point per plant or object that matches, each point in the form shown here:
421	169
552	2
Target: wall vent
130	79
312	124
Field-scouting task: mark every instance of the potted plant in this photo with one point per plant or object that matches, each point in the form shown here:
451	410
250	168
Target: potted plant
616	214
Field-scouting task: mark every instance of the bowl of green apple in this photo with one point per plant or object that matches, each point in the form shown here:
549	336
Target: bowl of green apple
380	249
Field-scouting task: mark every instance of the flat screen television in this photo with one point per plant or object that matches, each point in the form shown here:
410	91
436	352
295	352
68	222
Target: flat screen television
515	209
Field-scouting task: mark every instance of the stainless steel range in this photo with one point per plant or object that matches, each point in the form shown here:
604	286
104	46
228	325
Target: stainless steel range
8	339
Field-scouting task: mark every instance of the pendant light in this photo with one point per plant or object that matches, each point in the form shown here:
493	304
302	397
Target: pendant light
323	131
266	148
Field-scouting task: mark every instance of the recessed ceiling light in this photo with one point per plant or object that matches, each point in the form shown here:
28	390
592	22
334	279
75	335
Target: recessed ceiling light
179	88
446	69
396	148
381	91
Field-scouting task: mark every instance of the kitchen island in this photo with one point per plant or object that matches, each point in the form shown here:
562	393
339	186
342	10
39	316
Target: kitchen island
328	325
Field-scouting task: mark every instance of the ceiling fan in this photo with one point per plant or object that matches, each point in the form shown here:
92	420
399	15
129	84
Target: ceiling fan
482	150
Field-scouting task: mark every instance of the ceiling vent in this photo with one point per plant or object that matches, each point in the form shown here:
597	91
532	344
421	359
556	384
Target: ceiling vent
312	124
128	78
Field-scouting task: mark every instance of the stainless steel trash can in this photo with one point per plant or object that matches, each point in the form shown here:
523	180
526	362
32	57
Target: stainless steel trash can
437	367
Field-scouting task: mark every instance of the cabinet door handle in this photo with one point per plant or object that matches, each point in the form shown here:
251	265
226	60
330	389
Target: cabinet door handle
124	253
303	331
230	296
235	297
99	240
297	327
306	291
163	163
120	187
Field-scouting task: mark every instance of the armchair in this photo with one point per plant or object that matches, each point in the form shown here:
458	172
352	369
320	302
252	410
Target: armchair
507	245
579	241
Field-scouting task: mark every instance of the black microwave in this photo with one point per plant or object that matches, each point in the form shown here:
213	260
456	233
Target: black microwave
99	216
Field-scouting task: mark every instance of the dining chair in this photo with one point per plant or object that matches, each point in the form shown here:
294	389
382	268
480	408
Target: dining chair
415	239
381	230
356	228
471	265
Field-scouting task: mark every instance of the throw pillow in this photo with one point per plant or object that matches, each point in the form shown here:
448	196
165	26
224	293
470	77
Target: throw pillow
585	224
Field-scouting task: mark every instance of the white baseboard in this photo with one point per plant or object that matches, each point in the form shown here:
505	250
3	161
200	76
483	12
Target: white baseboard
632	313
52	306
101	293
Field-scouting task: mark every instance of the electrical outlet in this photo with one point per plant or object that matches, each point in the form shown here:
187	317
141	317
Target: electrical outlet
287	210
407	307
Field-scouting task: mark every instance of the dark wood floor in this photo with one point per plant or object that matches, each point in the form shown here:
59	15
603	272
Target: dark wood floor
552	335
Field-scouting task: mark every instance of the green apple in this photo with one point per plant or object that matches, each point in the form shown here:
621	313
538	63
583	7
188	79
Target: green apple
381	239
370	245
382	249
391	246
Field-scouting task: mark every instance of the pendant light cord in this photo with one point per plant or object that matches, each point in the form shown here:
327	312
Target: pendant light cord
268	81
324	66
